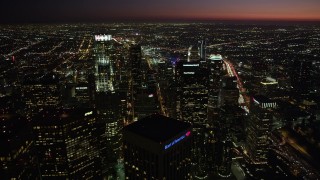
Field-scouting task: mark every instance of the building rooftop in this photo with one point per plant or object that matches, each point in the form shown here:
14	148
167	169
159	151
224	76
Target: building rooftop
157	127
215	57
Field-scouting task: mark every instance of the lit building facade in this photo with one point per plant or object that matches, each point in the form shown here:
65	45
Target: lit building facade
192	93
107	101
259	128
135	58
103	64
66	144
109	106
215	63
192	106
157	147
40	91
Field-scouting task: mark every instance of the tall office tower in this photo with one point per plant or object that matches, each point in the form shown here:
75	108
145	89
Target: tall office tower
135	82
231	130
78	93
103	64
17	157
109	122
202	52
301	77
66	144
232	123
229	93
157	147
83	93
107	101
192	93
135	57
143	88
192	101
146	102
258	128
215	67
40	91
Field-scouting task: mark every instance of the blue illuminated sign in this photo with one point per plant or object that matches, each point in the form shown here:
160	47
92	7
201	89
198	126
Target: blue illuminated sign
176	140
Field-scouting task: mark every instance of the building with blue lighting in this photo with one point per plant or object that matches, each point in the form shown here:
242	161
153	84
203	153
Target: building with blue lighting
157	147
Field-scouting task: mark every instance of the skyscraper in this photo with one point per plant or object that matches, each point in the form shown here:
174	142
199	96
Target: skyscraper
108	103
135	57
192	106
66	144
301	76
258	128
215	67
202	52
109	123
157	147
103	64
192	93
40	91
229	93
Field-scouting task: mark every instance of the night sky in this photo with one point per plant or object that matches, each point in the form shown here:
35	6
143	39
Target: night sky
108	10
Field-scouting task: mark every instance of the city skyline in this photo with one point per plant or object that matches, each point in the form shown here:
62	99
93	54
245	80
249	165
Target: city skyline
18	11
249	92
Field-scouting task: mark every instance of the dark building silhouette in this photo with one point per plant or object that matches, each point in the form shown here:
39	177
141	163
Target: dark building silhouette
229	93
109	121
17	157
135	58
157	147
301	76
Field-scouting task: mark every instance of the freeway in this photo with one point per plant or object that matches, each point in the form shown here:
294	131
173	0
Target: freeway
286	147
151	63
244	99
23	48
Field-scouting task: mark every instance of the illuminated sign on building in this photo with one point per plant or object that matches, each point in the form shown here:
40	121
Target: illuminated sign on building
177	140
102	37
188	73
191	65
81	87
88	113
